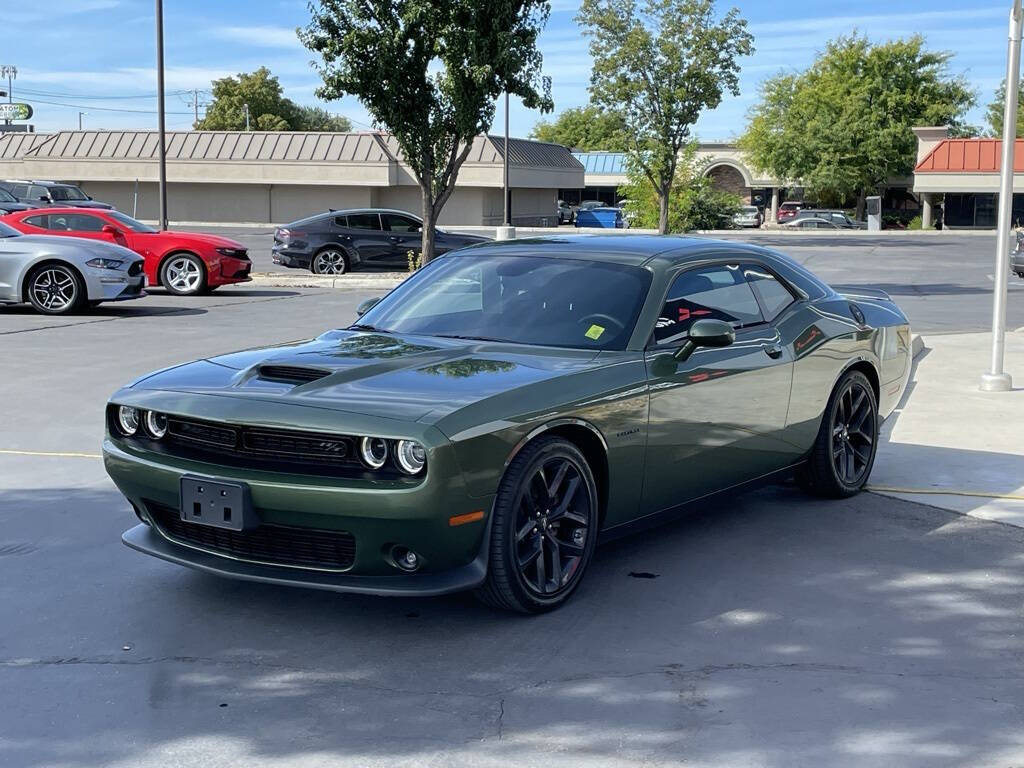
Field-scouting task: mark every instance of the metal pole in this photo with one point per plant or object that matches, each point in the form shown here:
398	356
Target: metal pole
997	380
160	110
508	212
80	114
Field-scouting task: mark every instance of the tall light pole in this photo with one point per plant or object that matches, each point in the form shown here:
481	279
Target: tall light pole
996	379
80	116
162	148
11	73
508	213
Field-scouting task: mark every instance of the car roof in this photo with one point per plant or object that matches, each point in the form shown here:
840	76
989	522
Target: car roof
53	210
635	250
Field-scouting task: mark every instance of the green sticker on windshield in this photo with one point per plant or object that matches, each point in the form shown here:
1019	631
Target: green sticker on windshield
594	332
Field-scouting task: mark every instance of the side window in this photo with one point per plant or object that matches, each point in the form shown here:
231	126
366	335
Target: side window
43	222
37	193
20	190
398	223
78	222
364	221
718	292
774	296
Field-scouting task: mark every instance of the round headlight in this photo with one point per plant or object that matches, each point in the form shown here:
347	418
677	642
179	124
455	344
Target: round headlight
128	419
411	456
373	451
156	424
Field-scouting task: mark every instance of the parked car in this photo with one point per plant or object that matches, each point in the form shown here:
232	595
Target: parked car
485	423
788	210
9	203
748	216
61	275
335	242
810	223
837	217
185	263
564	212
1017	253
604	218
41	193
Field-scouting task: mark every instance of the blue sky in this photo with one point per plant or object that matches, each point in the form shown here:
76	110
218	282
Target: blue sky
97	55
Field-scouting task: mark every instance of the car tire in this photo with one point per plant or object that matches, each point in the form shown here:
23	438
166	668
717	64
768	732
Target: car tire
844	450
56	289
330	261
183	274
541	539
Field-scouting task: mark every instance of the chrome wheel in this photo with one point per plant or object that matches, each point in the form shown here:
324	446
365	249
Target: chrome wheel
330	262
553	522
183	275
854	431
54	290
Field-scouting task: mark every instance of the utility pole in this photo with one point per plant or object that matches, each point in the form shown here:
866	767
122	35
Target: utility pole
161	114
996	379
80	116
246	107
11	73
506	231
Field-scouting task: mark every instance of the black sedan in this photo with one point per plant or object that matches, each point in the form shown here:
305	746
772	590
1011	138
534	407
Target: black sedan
334	242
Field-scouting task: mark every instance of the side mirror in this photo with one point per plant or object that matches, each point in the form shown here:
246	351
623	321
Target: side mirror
367	305
706	333
110	229
44	199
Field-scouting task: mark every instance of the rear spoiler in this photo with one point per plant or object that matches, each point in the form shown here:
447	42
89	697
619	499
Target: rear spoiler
854	292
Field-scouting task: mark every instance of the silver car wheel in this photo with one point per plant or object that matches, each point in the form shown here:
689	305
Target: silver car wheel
330	263
55	289
184	275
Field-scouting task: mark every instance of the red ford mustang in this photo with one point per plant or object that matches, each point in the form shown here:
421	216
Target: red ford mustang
185	263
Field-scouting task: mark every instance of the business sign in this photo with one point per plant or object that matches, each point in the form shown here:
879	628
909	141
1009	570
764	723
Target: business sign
16	111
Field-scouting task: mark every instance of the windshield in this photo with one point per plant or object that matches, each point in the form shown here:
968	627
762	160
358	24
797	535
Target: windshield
66	193
7	197
520	299
129	223
6	231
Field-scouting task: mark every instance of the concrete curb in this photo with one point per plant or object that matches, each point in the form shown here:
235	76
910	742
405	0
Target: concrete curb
365	282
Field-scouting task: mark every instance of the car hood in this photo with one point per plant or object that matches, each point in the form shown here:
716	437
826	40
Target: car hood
201	238
411	378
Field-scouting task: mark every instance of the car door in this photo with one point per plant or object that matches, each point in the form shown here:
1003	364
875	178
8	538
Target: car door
405	234
718	417
85	225
366	236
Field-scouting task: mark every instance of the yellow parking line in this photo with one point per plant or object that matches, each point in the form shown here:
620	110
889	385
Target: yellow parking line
948	492
53	454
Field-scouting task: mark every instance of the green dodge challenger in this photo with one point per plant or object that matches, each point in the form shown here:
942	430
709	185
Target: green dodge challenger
488	421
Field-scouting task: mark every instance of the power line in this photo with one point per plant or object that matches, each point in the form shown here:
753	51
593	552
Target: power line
54	94
105	109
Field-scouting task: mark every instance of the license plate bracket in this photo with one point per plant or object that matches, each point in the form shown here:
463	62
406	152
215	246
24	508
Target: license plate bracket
217	504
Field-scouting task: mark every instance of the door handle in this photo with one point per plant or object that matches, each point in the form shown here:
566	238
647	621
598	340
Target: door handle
774	351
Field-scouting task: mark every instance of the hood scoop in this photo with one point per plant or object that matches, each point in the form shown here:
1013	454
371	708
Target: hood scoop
291	374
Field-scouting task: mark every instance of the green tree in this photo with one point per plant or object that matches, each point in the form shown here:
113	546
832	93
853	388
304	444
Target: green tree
588	128
693	202
269	109
661	63
430	73
843	127
994	112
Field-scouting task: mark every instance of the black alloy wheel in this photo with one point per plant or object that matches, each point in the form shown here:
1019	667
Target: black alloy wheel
844	451
544	528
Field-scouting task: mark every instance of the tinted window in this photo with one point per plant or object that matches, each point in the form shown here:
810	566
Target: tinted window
717	292
37	193
19	190
67	193
774	295
75	222
398	223
129	223
363	221
6	231
6	197
522	299
38	221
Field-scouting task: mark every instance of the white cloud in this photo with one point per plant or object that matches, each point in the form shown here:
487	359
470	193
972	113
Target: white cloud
262	37
28	13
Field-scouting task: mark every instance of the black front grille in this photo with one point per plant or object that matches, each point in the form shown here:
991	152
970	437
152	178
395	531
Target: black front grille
135	268
291	374
273	544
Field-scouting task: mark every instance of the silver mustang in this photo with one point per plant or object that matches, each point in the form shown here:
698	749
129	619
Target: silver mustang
62	275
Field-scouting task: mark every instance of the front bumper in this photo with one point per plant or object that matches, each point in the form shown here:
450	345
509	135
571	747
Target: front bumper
113	285
231	270
378	515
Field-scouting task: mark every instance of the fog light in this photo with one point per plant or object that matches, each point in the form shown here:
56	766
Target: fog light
156	424
405	558
128	420
374	452
411	456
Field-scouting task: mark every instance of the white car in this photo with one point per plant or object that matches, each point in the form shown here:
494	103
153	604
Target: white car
748	216
63	275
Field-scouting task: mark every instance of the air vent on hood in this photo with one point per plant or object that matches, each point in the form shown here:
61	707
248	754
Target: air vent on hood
291	374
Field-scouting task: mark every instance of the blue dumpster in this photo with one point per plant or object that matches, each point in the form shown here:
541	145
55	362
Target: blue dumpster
603	218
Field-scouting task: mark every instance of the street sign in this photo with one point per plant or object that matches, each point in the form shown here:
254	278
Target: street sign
16	111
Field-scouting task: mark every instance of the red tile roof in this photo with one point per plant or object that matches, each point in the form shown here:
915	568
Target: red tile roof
969	156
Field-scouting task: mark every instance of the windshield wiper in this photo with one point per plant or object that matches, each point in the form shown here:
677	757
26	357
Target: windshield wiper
367	327
472	338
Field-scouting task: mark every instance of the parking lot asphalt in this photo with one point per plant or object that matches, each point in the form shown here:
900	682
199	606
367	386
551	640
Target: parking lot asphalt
943	281
775	630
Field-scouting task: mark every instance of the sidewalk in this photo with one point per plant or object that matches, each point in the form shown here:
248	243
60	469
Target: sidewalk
952	446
